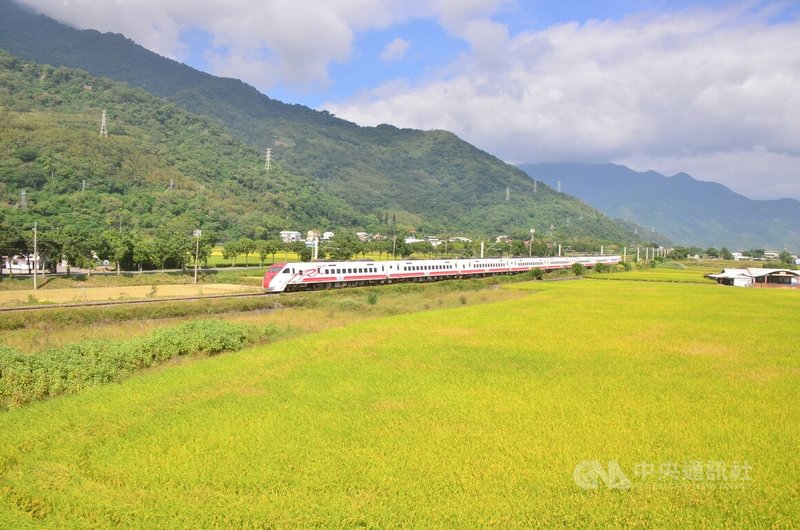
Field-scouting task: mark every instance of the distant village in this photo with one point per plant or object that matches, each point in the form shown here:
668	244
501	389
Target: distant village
293	236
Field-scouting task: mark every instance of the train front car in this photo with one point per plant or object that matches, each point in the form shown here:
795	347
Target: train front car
274	281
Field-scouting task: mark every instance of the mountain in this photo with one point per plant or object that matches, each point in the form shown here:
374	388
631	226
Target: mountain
429	181
158	163
686	210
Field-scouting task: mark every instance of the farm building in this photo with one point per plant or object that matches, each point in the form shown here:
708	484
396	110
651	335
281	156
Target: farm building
757	277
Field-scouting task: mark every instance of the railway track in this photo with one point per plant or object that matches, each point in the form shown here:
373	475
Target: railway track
130	302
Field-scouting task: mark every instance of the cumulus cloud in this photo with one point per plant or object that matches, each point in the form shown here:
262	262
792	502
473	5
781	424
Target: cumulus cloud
395	50
264	43
716	90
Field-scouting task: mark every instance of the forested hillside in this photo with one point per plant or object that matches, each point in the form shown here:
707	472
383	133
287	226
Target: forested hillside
686	210
159	163
430	182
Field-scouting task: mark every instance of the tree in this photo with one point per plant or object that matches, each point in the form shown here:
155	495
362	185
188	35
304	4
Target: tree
270	247
297	247
786	258
118	247
207	242
679	253
712	252
173	243
345	245
246	246
725	253
231	250
78	245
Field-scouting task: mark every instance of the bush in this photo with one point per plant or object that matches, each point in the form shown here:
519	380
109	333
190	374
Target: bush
372	298
578	269
25	378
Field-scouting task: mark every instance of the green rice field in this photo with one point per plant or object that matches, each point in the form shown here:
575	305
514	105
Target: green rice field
581	404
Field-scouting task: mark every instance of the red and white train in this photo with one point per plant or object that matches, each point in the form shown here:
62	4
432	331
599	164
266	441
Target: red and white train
282	277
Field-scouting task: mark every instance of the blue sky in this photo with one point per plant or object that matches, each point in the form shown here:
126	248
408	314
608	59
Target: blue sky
706	87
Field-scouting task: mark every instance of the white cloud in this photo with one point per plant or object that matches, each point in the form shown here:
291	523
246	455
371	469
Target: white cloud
714	90
264	43
395	50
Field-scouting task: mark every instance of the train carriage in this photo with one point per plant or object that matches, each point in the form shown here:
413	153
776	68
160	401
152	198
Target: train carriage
282	277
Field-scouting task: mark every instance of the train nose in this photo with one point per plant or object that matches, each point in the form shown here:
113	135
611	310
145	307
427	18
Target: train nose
269	280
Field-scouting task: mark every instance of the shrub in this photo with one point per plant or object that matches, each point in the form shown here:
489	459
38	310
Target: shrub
25	378
578	269
601	267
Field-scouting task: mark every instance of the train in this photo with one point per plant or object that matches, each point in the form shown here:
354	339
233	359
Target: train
287	277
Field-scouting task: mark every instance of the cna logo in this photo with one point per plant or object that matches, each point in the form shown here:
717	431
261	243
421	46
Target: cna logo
589	475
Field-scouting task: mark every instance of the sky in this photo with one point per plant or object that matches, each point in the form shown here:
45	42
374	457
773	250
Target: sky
707	87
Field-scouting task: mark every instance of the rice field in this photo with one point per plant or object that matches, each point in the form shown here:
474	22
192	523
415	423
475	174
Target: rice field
118	293
588	403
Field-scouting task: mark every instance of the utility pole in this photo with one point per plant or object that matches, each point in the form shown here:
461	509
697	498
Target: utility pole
624	254
197	234
481	249
535	190
508	193
559	186
23	200
316	248
394	246
530	246
35	255
268	159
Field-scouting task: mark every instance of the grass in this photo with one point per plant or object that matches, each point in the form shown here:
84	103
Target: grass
690	274
252	277
295	313
468	416
102	294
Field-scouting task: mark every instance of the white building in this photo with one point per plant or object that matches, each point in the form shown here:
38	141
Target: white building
757	277
290	236
327	235
22	264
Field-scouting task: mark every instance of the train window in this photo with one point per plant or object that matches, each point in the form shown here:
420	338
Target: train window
286	271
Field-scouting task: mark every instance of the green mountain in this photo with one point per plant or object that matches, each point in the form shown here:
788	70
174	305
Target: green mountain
428	181
158	162
686	210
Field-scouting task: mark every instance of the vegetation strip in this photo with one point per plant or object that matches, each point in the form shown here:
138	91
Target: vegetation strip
25	378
